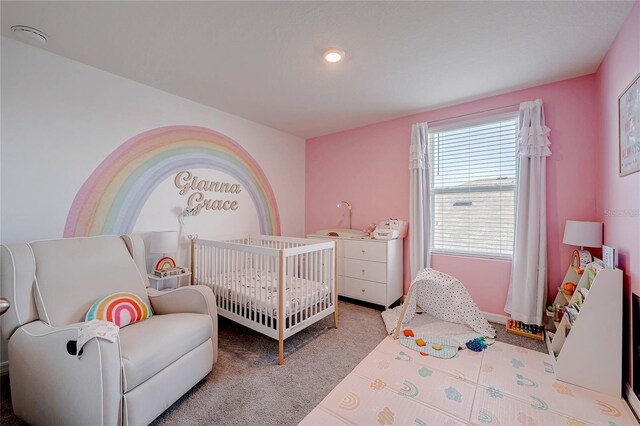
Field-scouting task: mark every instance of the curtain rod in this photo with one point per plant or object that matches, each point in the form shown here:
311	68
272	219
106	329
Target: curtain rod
473	113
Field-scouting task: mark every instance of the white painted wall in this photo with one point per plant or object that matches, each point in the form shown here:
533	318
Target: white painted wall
61	118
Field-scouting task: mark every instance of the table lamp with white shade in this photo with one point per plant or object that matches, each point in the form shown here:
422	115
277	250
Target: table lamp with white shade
583	234
164	242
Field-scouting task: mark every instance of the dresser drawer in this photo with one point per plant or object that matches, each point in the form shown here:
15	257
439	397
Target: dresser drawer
366	270
365	290
365	250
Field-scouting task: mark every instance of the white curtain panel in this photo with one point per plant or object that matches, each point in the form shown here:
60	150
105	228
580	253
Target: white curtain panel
419	200
528	284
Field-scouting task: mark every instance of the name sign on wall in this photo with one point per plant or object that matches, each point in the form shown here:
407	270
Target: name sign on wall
196	189
130	182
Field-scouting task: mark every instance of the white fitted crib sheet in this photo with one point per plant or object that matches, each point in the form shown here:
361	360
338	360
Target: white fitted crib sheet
258	290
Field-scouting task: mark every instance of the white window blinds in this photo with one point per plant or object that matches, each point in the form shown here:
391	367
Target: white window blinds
473	178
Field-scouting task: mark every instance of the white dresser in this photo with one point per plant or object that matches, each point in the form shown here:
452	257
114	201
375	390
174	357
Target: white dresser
369	270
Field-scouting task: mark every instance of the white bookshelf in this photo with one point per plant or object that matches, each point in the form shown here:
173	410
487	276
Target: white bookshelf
588	350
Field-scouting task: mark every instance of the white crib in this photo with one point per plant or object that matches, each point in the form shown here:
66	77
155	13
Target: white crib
274	285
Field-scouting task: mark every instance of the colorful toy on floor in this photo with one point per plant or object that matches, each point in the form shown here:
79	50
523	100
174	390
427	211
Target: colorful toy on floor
477	345
408	333
421	342
527	330
473	346
436	346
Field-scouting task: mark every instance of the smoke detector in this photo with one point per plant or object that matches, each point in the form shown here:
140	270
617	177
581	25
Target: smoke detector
30	34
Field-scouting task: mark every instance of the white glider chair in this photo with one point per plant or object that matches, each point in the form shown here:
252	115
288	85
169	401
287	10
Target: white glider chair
51	285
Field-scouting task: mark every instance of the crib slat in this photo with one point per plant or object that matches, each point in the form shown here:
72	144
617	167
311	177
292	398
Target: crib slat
321	293
197	264
323	304
202	259
319	282
327	278
309	282
225	277
253	270
243	288
323	282
264	264
206	254
239	283
219	272
234	269
309	285
299	286
259	293
313	281
248	298
320	277
267	303
295	290
221	279
246	295
300	293
281	309
305	287
214	260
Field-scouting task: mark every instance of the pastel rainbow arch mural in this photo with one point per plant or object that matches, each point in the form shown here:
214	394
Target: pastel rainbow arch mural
111	199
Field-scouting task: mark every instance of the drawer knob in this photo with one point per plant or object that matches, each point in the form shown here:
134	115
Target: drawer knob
363	251
363	290
363	271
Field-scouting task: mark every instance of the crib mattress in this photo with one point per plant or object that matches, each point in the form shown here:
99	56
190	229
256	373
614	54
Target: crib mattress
258	290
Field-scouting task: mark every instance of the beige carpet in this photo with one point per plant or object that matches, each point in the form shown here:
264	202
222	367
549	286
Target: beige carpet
248	387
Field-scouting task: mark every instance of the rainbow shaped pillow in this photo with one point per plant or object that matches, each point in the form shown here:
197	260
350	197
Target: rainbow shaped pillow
122	308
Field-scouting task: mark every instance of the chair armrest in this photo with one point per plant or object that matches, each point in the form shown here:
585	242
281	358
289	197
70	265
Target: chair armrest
197	299
51	386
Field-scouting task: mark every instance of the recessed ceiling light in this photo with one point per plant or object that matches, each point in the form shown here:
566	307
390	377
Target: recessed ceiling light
333	55
29	34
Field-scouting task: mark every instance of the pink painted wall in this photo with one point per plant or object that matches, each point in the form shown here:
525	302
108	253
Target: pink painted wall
368	167
619	198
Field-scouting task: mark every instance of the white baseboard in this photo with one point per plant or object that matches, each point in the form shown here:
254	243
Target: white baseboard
4	368
632	399
500	319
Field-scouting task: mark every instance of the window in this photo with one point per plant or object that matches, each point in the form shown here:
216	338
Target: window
473	184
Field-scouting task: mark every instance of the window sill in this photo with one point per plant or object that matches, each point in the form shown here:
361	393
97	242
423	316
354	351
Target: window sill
473	255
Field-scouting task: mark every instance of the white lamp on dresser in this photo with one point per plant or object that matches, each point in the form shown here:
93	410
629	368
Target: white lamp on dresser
583	234
164	242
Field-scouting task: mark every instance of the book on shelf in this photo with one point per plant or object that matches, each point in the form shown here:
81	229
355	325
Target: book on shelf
572	313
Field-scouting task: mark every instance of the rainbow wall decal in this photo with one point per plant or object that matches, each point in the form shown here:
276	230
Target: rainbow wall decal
111	199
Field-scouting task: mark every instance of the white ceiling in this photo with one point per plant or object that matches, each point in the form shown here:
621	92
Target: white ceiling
261	60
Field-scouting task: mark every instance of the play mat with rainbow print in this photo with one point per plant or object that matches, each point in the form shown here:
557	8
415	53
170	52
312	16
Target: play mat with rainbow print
503	385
